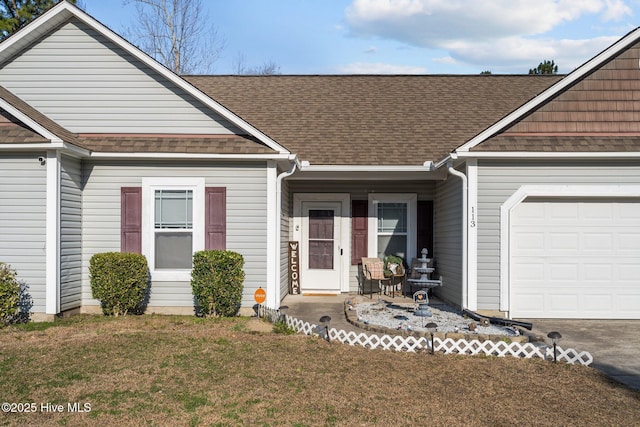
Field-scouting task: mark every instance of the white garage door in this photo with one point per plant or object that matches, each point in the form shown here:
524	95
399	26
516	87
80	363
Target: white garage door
575	259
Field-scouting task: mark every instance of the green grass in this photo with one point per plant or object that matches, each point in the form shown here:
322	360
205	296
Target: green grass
155	370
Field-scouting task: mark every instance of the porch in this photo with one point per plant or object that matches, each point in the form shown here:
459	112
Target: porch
335	223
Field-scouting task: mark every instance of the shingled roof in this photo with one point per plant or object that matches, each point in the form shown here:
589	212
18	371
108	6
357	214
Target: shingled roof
25	135
372	120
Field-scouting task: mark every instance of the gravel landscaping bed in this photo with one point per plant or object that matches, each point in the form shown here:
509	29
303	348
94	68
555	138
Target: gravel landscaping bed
401	317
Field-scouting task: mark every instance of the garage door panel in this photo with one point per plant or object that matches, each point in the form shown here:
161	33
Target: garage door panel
561	213
628	213
563	302
597	212
597	303
559	272
597	241
600	273
529	241
628	273
562	241
531	272
527	302
629	242
575	259
628	304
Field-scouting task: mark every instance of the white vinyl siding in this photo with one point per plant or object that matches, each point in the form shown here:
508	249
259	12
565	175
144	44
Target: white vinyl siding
284	240
498	180
23	221
246	218
447	244
78	78
70	233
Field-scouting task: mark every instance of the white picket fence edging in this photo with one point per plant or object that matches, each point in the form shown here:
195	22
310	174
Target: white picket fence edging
446	346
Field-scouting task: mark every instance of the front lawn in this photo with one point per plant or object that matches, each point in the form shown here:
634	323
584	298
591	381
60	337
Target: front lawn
156	370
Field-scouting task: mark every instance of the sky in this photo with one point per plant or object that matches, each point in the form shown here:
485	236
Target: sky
403	36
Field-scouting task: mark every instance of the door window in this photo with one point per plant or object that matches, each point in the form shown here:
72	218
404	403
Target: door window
321	239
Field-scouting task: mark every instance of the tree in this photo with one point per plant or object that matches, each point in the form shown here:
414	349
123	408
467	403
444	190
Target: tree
175	33
485	72
266	68
15	14
546	67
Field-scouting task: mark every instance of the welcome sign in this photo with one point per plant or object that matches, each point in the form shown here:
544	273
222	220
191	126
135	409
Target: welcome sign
294	268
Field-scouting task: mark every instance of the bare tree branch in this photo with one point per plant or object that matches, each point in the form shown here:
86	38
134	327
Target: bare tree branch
266	68
176	34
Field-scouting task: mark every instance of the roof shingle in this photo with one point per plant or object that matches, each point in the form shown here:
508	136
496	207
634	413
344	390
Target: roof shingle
372	120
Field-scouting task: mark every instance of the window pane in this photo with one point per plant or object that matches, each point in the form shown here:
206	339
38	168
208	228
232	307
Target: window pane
320	224
321	255
392	245
392	217
173	209
173	250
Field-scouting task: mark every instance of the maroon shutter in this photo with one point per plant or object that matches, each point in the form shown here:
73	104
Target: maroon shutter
215	217
359	220
425	226
131	219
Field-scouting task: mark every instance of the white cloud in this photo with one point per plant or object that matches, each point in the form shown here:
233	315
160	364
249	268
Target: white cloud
485	33
379	68
616	10
371	50
517	52
445	60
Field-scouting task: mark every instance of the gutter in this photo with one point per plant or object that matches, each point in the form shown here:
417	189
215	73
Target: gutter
278	243
307	167
465	195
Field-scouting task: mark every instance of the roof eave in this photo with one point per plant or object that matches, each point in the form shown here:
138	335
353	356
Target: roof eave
29	122
547	155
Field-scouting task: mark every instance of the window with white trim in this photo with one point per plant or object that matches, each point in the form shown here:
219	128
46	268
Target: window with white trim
172	225
173	229
392	227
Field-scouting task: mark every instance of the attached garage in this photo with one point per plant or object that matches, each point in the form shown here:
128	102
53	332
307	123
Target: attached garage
575	258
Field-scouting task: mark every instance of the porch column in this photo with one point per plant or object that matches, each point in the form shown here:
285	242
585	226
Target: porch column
273	240
52	238
472	235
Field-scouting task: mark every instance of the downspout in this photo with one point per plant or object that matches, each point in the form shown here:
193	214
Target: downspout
279	180
465	189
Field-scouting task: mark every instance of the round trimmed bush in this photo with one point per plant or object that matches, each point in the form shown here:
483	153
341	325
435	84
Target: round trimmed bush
119	280
217	280
9	294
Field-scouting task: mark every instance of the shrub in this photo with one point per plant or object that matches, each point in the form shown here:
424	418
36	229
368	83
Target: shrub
9	294
281	327
217	280
119	280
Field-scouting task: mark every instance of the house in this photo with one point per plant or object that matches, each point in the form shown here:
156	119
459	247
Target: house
525	189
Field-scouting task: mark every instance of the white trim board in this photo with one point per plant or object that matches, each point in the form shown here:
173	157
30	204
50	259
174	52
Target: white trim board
52	239
551	191
472	235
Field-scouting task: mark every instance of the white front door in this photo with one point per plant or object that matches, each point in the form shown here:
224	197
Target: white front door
321	257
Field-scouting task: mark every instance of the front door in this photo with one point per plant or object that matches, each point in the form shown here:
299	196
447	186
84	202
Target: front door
321	257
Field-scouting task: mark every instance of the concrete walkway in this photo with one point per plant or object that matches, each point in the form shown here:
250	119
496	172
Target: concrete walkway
614	344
